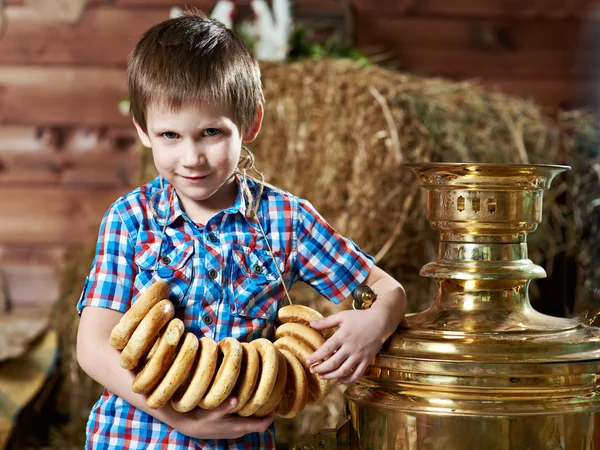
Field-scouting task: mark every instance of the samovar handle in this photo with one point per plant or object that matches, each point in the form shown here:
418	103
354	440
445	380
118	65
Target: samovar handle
592	317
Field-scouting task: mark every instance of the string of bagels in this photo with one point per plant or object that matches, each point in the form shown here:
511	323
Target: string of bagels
174	365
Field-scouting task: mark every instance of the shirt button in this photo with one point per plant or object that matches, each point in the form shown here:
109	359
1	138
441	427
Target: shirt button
212	238
258	269
166	260
212	273
207	319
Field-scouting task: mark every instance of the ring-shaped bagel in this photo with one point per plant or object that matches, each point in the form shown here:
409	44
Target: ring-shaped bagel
278	389
227	374
302	333
317	388
177	373
145	335
159	359
266	378
191	392
122	331
295	394
301	314
248	376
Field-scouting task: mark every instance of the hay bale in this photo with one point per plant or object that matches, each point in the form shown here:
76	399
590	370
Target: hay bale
336	133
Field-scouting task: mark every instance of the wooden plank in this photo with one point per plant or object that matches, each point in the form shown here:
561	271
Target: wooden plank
469	64
103	36
51	215
28	139
473	63
95	168
21	139
88	2
298	6
204	5
61	96
551	93
107	157
31	285
32	272
26	254
479	8
457	33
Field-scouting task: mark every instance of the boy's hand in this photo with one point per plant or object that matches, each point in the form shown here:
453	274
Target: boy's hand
217	424
352	347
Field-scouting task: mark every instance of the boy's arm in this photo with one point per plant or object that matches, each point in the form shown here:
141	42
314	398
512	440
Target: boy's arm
361	333
102	363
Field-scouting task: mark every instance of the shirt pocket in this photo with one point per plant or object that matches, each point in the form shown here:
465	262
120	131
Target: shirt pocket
175	266
255	282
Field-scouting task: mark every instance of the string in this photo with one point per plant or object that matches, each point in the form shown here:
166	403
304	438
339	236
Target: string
155	214
247	164
287	294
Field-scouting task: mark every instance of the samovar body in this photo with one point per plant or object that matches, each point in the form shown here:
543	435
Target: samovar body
480	369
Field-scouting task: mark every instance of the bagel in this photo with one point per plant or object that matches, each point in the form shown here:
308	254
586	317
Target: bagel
302	333
266	378
177	373
317	388
191	392
146	333
278	389
122	331
153	349
301	314
159	359
227	374
295	394
249	374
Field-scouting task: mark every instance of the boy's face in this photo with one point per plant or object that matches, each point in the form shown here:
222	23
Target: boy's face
197	149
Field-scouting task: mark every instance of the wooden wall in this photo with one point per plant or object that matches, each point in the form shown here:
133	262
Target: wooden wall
66	152
533	48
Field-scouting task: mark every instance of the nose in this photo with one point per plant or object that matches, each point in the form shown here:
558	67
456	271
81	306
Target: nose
192	155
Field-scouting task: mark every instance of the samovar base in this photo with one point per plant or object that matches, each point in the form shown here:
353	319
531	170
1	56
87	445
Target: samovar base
374	427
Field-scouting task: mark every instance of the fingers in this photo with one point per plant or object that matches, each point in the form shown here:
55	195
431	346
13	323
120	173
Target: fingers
331	364
244	425
354	374
328	322
218	424
328	348
343	370
226	407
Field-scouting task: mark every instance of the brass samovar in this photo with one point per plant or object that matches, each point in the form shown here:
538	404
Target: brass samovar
480	369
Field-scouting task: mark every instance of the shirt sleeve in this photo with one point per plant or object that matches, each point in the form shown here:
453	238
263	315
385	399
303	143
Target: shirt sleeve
331	263
110	281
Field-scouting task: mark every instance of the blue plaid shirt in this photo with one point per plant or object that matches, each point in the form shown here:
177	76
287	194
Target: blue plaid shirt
223	282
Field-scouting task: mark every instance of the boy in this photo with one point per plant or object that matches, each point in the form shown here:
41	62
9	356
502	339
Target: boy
228	246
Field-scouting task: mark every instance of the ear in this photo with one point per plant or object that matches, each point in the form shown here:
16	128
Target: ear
251	134
143	136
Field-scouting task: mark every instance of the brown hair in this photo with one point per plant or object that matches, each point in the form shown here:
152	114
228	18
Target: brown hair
190	60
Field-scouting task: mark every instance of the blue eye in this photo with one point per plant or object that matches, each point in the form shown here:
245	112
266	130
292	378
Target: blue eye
211	132
169	135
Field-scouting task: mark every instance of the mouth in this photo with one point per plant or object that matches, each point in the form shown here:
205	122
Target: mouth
195	178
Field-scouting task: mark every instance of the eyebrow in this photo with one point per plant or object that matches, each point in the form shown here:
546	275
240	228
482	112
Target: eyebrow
213	123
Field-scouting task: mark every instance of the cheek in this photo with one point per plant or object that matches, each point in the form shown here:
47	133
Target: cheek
224	156
162	156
